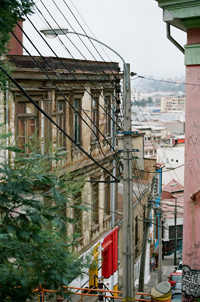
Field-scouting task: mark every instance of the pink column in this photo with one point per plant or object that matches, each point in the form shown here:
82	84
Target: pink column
191	222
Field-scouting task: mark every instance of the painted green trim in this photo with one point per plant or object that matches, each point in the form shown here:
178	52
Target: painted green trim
188	12
185	11
192	54
191	23
163	3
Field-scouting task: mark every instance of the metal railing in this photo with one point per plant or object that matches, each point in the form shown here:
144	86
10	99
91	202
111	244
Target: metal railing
69	289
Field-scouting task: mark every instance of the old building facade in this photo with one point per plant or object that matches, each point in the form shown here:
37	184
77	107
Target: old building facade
82	98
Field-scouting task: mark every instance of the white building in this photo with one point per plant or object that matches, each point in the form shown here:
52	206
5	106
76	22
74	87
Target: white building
136	95
174	159
140	115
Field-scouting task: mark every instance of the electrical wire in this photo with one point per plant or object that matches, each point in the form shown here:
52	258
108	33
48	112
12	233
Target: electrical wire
87	27
163	171
62	92
53	122
166	81
85	32
60	59
159	143
70	73
80	37
79	52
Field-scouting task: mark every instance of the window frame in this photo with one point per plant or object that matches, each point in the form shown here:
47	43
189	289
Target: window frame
78	226
107	108
57	114
95	202
107	197
77	131
95	117
19	116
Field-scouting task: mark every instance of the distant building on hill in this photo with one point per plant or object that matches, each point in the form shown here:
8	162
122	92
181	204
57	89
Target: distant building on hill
172	104
136	95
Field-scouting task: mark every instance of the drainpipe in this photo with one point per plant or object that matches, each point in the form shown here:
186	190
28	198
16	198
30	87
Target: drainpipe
174	41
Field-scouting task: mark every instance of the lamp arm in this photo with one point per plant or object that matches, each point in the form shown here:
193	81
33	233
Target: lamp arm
124	63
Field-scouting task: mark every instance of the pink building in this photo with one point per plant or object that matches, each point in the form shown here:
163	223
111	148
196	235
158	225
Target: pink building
185	15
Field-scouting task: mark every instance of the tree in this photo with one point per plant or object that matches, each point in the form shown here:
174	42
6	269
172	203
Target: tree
150	101
11	11
143	102
33	251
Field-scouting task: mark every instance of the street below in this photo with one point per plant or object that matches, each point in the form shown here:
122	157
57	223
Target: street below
167	268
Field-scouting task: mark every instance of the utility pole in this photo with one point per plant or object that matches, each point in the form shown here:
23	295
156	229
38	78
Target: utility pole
175	237
160	249
147	223
128	290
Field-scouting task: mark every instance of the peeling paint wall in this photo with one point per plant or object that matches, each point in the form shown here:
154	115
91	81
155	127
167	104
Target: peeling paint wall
48	98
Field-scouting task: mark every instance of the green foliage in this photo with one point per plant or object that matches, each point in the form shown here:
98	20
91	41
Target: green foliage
143	102
150	101
11	11
33	251
3	78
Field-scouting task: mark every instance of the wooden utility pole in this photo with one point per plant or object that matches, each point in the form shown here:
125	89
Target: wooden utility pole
145	234
175	231
128	290
160	248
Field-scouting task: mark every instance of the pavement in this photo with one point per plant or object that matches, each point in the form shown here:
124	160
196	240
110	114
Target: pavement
167	268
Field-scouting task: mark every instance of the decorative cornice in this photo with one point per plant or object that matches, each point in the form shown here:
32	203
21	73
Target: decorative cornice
166	3
181	13
192	54
191	23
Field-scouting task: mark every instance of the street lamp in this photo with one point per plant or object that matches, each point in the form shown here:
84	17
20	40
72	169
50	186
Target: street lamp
128	291
54	32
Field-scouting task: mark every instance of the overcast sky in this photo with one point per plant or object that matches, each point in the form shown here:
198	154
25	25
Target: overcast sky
134	29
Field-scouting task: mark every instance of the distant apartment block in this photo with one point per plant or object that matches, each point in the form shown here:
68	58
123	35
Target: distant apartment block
136	95
172	104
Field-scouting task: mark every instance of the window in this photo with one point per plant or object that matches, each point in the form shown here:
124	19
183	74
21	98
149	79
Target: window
27	124
179	230
77	214
176	160
59	116
172	160
149	138
77	121
107	196
107	129
176	278
95	203
151	152
95	118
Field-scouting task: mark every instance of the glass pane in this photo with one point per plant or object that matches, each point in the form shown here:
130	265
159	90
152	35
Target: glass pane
60	106
93	103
